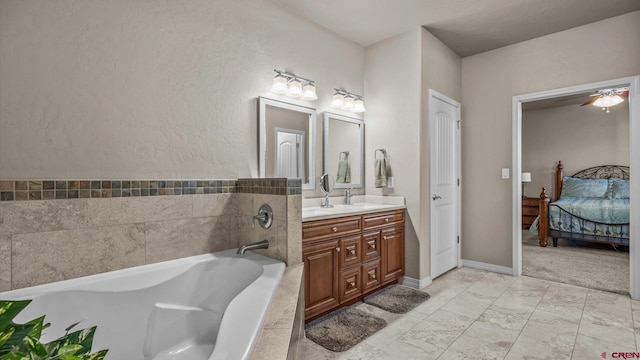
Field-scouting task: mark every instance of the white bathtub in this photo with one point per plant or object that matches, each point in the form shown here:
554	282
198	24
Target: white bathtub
208	306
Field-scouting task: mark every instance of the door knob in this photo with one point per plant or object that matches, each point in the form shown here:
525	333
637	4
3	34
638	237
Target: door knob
436	197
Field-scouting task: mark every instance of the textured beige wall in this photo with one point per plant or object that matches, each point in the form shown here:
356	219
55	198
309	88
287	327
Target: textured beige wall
580	136
398	75
151	89
392	85
599	51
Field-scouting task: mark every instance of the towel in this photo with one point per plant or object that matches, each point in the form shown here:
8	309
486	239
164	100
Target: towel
344	169
380	172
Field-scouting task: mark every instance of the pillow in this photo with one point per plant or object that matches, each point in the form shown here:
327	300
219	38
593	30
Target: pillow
618	189
584	188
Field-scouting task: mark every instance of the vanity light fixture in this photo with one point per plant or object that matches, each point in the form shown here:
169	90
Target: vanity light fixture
291	85
349	101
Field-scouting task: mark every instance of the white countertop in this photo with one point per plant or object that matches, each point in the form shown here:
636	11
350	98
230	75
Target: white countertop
360	204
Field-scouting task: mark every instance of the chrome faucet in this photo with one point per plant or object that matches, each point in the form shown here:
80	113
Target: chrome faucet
347	197
264	244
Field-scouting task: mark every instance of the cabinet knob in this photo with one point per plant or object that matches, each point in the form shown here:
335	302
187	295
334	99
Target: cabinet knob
335	229
338	249
385	237
372	245
352	284
386	220
372	276
352	252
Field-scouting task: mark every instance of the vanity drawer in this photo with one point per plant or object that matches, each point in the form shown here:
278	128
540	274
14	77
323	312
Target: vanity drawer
383	219
371	246
350	284
350	251
370	275
330	228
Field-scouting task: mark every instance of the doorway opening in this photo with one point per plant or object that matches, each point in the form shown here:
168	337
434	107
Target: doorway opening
633	83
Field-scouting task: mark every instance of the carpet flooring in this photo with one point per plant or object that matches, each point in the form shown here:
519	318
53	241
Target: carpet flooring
396	299
595	266
342	329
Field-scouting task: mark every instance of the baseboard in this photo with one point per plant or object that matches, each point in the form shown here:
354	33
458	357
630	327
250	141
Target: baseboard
415	283
488	267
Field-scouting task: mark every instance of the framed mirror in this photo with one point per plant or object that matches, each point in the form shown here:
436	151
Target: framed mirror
344	150
286	144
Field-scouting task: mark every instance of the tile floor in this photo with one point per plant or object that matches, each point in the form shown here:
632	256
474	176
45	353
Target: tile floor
474	314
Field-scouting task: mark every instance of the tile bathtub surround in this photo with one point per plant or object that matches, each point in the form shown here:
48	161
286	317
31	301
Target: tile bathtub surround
54	239
18	190
474	314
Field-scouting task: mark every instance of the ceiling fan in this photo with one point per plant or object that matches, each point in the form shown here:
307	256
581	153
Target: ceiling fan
606	98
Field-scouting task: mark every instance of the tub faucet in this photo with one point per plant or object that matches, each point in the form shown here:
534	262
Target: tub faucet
264	244
347	197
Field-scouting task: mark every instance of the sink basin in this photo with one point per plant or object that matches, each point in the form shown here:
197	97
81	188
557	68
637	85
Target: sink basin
342	210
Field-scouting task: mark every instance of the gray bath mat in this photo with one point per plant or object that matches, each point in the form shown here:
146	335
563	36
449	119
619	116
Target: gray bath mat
397	299
342	329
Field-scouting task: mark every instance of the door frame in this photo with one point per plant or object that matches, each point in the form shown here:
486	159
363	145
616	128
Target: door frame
633	82
432	96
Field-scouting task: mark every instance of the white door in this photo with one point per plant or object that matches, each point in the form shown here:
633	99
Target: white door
444	129
289	157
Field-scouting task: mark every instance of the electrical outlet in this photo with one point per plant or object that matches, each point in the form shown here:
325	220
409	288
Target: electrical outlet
505	173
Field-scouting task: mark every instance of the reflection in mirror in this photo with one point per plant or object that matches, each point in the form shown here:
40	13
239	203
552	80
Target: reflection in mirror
287	141
343	150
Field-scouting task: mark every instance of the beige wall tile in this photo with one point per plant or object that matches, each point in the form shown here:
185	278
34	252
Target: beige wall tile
5	262
215	205
58	255
20	217
131	210
174	239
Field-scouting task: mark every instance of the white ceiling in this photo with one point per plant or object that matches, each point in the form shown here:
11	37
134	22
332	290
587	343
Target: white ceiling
467	26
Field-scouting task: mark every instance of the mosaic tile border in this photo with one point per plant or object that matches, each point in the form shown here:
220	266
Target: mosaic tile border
19	190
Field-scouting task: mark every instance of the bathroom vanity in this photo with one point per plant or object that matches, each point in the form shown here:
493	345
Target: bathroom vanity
350	252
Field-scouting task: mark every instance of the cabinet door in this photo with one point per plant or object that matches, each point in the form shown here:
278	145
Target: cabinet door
392	254
320	277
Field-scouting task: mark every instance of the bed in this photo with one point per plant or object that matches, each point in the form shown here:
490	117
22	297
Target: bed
591	205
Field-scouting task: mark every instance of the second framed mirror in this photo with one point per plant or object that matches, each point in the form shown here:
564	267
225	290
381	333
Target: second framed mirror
344	150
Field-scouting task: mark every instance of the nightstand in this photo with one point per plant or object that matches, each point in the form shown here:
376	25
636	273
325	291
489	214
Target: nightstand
530	210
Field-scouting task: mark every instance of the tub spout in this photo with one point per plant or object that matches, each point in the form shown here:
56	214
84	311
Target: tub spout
264	244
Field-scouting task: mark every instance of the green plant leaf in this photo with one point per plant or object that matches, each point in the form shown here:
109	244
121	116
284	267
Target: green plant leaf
9	310
70	349
97	355
15	356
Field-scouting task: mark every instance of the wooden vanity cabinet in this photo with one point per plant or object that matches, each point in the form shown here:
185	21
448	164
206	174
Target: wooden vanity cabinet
349	257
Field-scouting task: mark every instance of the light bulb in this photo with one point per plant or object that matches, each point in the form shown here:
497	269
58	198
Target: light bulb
337	101
295	88
279	85
607	101
348	103
358	106
309	92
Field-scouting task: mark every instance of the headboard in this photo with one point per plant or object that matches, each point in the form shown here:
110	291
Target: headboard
596	172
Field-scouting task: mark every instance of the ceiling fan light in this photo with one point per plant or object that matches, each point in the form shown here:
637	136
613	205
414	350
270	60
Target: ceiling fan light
607	101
